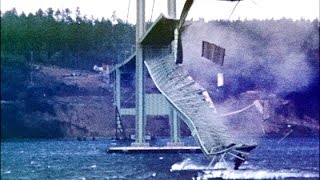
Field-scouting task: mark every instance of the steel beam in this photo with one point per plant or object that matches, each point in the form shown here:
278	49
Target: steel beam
172	8
117	89
174	127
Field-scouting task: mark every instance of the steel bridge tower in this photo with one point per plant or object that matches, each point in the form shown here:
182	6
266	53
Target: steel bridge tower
140	118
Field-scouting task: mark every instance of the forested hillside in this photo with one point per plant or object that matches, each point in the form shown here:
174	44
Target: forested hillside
54	37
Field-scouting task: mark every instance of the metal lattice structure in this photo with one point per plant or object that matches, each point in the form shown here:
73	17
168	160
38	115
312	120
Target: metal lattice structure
191	101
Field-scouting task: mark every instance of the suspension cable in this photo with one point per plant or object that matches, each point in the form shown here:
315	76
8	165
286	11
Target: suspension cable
128	10
152	10
234	9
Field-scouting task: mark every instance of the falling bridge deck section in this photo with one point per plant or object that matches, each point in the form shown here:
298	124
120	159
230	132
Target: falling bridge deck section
191	101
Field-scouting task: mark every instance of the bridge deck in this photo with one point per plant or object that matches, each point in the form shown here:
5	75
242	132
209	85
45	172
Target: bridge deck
191	101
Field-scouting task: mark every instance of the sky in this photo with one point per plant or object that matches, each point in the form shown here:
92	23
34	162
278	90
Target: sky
207	9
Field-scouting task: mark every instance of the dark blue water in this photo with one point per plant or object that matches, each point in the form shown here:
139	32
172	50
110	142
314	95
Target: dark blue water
293	158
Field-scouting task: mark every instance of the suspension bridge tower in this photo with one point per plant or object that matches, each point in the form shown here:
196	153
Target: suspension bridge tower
140	118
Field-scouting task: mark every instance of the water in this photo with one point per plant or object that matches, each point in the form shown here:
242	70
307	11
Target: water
293	158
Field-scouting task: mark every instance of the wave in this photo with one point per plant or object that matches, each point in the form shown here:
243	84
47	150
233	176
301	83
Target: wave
226	171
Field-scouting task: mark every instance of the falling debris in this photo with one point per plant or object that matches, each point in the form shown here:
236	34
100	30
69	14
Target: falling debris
213	52
285	136
220	80
266	110
258	105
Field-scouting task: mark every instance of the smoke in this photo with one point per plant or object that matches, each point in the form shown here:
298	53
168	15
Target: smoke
277	57
269	55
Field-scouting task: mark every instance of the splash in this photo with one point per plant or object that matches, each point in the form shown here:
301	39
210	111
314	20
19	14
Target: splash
225	170
186	164
257	174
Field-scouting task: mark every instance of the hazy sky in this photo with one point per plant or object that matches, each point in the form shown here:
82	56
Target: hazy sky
208	9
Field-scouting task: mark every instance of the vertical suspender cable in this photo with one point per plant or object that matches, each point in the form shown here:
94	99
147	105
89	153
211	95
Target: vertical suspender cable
152	10
128	10
234	9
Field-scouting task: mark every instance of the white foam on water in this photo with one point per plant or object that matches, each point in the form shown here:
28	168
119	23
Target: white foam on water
257	174
7	172
221	165
225	170
188	164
